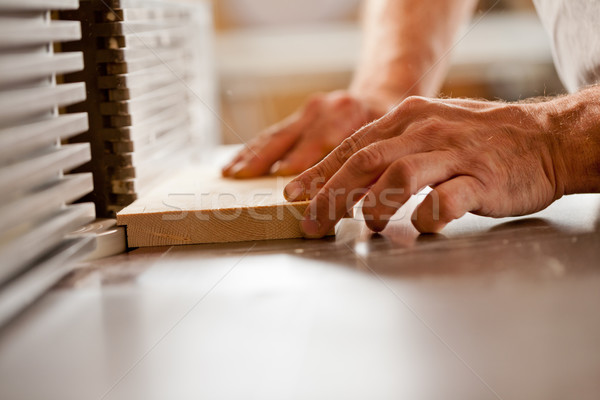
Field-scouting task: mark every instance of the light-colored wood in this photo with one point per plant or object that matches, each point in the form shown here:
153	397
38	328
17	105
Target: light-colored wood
198	206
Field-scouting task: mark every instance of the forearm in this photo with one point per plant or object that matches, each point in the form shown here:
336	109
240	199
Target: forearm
405	48
573	123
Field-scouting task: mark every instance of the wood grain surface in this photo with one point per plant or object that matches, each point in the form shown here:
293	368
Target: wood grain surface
199	206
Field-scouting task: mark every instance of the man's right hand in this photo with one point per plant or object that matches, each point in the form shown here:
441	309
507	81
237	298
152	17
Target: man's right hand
304	138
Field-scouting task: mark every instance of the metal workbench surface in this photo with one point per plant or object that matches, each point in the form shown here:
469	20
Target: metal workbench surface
489	309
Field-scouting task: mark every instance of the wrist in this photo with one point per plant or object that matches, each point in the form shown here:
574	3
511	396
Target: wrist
573	123
381	98
389	86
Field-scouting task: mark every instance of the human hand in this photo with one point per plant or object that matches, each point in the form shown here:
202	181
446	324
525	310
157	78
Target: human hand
488	158
304	138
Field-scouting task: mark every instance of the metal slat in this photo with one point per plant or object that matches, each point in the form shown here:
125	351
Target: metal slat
16	33
131	93
140	118
163	121
150	78
18	104
17	141
130	114
44	201
37	5
146	55
148	13
160	38
21	250
126	54
27	287
28	173
124	4
153	170
19	68
166	144
123	28
149	61
145	105
34	216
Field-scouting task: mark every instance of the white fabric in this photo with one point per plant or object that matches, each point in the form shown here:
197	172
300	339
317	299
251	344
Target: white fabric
574	27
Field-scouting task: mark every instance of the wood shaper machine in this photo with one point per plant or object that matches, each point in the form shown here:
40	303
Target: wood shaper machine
36	214
98	100
151	92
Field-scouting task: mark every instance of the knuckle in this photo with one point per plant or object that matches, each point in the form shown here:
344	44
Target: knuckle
449	205
411	108
253	148
323	205
438	134
345	150
277	133
401	171
312	181
391	119
274	131
368	159
342	100
321	201
434	124
513	111
430	125
314	102
414	103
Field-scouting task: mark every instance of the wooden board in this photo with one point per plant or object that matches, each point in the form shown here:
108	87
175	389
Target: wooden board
198	206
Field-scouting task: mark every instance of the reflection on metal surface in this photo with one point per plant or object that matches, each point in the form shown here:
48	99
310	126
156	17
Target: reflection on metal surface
565	234
489	306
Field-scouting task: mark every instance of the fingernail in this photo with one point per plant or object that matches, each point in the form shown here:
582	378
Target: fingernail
294	190
238	170
280	168
230	164
226	170
234	167
310	227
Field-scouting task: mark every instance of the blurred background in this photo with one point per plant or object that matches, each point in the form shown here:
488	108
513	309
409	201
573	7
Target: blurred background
271	54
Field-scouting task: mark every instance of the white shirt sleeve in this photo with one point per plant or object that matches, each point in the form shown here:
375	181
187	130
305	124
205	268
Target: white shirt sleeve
574	28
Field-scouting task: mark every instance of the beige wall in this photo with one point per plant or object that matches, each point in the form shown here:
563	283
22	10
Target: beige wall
247	111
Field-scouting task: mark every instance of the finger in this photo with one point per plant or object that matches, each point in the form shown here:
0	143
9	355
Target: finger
392	124
226	170
402	179
352	181
307	184
467	104
274	143
257	158
237	158
447	202
302	156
